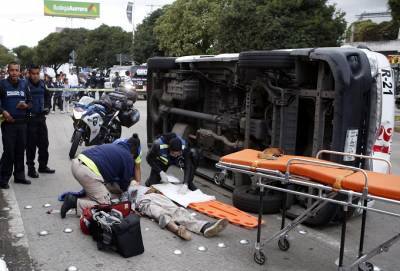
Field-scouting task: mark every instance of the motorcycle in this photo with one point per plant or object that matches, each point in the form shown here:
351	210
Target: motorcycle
96	123
93	125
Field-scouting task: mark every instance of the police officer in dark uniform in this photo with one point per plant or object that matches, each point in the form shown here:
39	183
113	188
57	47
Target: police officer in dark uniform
170	149
37	128
15	100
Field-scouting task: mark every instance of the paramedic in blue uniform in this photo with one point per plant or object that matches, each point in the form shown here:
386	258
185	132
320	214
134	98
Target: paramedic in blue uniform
15	100
170	149
104	171
37	129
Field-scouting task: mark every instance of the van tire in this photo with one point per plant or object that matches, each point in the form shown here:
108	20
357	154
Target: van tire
247	199
266	59
322	218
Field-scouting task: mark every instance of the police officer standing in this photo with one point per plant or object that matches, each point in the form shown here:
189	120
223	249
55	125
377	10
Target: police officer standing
15	99
167	150
37	128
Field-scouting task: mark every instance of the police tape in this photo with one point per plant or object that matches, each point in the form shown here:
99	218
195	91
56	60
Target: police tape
82	89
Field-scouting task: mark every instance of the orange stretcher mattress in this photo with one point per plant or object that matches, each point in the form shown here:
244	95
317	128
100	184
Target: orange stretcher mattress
379	184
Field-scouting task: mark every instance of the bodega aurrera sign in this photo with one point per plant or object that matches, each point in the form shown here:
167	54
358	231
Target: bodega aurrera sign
70	9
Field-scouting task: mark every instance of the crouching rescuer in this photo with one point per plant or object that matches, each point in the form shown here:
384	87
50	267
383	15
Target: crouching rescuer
167	150
104	171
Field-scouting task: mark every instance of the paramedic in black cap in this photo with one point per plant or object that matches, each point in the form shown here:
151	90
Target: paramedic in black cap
167	150
37	129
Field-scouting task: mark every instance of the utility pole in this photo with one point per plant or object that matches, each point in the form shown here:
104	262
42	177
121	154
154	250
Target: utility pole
152	7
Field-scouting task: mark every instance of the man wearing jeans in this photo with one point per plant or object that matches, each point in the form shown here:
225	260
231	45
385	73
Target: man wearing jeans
103	170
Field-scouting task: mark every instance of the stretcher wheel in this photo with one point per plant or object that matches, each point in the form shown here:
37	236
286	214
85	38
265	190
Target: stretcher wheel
283	244
259	257
367	266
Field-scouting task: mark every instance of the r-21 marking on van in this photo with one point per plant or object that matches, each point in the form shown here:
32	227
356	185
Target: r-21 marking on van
387	84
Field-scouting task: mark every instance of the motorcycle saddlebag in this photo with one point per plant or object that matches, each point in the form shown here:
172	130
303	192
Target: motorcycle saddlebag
128	236
129	117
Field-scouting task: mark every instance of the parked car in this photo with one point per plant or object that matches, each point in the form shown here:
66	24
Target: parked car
300	100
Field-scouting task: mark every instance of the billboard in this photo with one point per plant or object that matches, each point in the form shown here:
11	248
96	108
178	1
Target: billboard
85	10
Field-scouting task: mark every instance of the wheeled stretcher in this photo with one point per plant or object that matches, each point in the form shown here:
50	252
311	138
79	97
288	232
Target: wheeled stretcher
326	182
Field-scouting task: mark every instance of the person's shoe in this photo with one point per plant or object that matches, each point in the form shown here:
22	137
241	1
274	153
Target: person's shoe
179	230
4	186
68	204
62	112
22	181
53	112
214	228
47	170
33	173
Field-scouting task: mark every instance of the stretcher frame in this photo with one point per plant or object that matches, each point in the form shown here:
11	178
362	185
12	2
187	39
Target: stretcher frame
326	194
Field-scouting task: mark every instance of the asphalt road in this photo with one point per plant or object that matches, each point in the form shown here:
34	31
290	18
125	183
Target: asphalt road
311	249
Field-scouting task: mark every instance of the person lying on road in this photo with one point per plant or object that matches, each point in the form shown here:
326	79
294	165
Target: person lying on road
170	216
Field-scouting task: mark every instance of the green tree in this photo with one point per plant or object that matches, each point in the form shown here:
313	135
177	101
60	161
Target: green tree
145	43
25	55
394	6
101	46
367	30
5	56
54	50
188	27
259	25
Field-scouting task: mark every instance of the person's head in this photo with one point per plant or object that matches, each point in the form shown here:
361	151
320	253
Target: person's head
93	73
34	74
2	74
134	142
127	73
58	77
66	80
14	71
175	147
117	74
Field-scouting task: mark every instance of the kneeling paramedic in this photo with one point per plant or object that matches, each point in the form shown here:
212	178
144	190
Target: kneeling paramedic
168	150
104	170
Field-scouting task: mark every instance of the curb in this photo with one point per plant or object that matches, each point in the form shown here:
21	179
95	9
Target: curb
17	254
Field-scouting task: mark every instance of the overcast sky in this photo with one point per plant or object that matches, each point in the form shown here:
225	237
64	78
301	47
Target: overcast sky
22	21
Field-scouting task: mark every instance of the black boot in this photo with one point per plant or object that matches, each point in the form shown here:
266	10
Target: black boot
4	185
192	186
69	203
46	169
22	181
32	172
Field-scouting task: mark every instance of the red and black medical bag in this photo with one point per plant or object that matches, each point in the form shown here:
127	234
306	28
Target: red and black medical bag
114	227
